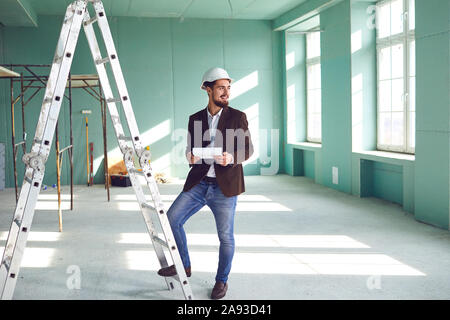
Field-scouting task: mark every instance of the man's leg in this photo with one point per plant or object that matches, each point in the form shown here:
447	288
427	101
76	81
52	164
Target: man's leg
185	205
223	209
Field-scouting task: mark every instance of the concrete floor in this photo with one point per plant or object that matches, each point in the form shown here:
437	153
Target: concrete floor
294	240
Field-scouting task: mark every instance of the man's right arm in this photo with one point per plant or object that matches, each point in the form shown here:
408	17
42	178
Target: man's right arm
190	142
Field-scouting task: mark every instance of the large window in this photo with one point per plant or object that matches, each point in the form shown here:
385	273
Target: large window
396	76
313	91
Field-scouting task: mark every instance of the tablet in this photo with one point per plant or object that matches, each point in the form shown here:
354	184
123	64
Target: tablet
206	153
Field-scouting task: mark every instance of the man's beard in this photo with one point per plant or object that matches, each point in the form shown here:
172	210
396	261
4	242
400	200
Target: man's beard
220	103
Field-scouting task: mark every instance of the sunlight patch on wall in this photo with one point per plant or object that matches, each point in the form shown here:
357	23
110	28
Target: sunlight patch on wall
244	85
290	60
356	41
152	135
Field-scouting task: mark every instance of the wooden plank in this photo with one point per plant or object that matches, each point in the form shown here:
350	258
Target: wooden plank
6	73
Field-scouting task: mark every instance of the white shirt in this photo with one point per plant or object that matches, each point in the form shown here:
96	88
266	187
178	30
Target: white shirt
213	120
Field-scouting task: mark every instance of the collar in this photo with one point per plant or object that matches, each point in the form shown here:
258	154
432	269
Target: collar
216	115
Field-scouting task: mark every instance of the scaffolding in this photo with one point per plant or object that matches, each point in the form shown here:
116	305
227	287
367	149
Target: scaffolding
28	76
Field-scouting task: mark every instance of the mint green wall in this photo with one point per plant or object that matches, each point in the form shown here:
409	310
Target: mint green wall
163	61
433	112
378	179
308	162
336	95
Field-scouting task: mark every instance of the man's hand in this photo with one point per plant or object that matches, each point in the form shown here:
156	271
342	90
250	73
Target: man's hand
191	158
225	159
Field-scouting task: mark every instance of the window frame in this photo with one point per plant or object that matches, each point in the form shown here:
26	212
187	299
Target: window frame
309	63
405	38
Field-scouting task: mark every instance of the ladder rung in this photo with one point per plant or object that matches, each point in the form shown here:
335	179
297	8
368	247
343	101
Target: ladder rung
5	262
141	173
113	100
17	221
148	206
100	61
177	278
90	21
122	137
57	59
160	241
28	180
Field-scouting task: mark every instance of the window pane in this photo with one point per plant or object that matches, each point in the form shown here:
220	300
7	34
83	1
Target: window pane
313	76
316	126
412	94
314	101
396	17
412	58
397	95
397	128
310	77
312	45
384	128
317	102
397	61
318	79
383	19
384	95
311	100
412	129
412	15
384	63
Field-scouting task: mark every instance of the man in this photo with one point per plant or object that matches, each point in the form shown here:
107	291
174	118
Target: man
215	183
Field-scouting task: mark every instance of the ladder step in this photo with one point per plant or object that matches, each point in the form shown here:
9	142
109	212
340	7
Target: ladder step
113	100
17	221
90	21
57	60
125	138
6	263
148	206
101	61
160	241
141	173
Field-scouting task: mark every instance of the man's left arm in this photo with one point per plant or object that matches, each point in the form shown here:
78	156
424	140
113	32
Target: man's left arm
242	151
242	145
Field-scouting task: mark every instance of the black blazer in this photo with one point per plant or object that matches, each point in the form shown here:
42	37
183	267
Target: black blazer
233	136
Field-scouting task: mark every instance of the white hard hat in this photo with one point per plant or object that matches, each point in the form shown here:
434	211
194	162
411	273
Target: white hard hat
214	74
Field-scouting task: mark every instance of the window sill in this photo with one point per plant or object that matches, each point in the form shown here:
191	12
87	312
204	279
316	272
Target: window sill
306	145
385	156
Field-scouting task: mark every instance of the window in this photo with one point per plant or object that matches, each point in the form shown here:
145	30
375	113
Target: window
396	76
313	88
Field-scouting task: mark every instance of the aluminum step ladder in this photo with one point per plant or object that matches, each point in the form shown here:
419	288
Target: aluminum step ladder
76	16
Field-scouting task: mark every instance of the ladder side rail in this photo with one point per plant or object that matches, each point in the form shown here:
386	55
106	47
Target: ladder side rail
54	73
34	173
118	129
118	75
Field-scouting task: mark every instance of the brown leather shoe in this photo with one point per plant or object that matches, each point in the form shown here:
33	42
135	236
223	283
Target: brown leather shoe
219	290
171	271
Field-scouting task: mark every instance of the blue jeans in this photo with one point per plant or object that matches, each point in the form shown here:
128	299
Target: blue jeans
189	202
